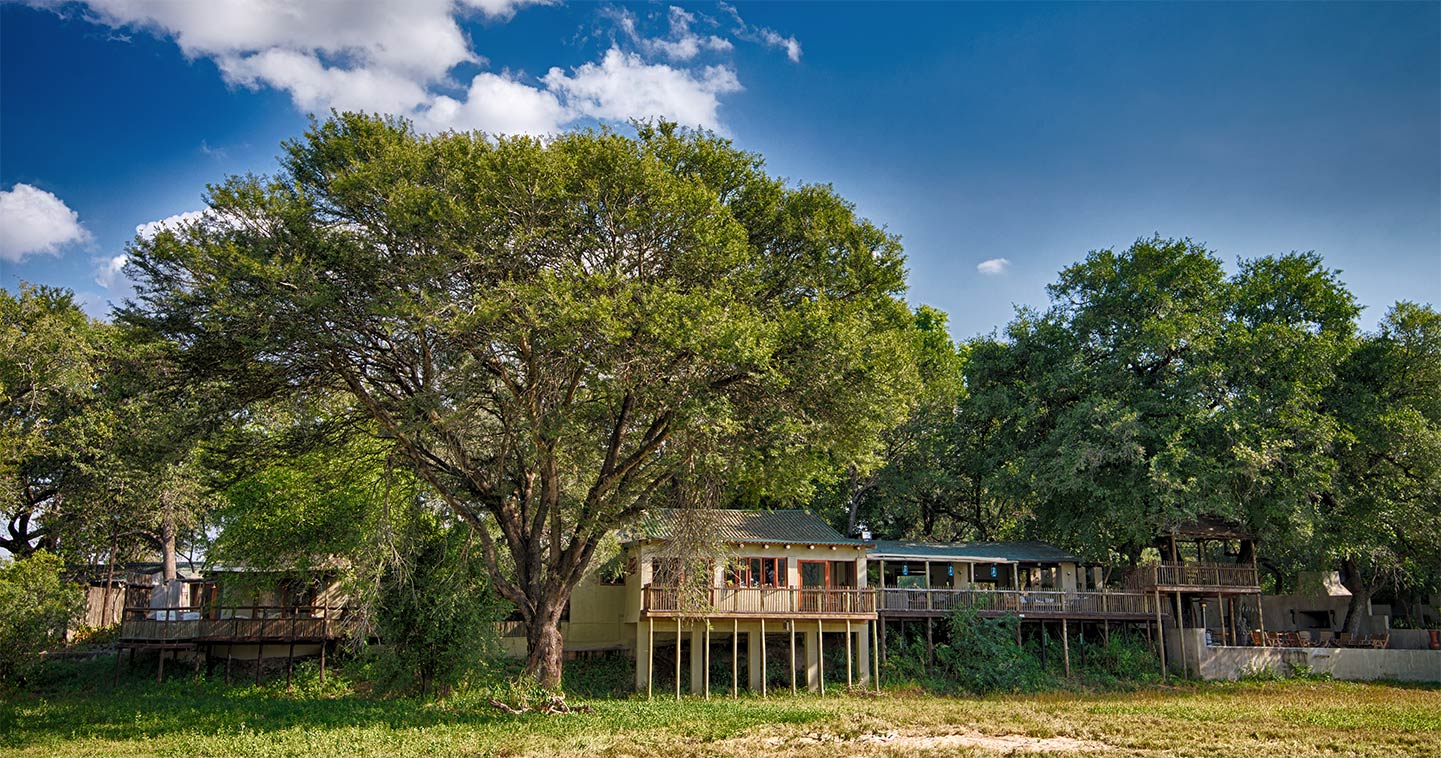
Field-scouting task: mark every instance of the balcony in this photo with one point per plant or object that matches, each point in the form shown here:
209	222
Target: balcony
249	624
1195	577
1023	603
758	602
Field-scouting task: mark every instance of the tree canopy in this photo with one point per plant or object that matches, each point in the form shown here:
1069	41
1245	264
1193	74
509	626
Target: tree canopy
555	335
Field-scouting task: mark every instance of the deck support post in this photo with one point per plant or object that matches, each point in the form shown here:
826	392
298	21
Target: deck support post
735	657
1181	634
323	644
1260	617
850	683
930	646
228	650
821	652
650	659
115	679
1106	631
195	675
881	641
706	660
1066	647
289	663
677	657
792	625
1161	636
160	671
876	661
764	678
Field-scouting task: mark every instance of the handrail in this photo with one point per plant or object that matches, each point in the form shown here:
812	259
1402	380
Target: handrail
1167	574
238	623
747	601
1037	602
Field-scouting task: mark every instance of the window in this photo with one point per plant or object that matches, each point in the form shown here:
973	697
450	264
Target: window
757	572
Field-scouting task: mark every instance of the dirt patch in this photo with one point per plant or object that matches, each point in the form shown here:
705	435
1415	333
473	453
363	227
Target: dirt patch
905	743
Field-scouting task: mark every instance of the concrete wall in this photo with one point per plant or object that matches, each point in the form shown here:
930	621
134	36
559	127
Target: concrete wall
1351	664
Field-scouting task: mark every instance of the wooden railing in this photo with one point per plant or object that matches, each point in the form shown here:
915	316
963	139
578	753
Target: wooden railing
1019	602
760	601
235	624
1200	575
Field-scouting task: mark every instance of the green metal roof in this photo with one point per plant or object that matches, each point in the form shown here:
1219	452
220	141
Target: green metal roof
791	527
1005	552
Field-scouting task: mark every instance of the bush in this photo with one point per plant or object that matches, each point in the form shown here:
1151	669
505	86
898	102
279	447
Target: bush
983	656
36	604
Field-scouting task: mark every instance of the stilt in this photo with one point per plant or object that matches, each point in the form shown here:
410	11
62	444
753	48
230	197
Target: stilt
1260	618
115	679
735	657
228	649
1161	636
259	655
160	671
1181	634
930	647
323	645
764	683
650	660
707	659
792	625
850	684
1066	647
289	663
195	675
881	642
677	657
1106	632
821	652
1221	615
876	659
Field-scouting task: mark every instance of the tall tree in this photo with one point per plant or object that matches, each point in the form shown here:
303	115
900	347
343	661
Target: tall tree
551	333
1381	522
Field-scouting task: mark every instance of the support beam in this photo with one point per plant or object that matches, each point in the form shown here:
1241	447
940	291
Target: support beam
650	659
1161	636
735	657
764	679
677	657
1066	647
706	679
792	625
850	676
821	651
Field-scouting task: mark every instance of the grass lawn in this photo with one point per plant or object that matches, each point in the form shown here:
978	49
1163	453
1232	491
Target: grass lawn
85	717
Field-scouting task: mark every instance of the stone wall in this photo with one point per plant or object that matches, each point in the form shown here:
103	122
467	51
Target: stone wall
1351	664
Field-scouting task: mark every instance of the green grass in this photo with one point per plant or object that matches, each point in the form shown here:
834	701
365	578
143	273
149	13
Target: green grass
77	713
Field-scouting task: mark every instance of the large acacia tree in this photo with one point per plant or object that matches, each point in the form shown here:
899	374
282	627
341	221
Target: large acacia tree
555	334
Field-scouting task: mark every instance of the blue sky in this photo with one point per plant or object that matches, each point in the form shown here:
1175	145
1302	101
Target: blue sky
1028	133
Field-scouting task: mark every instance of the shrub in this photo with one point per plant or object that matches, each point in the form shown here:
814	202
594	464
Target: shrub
36	604
983	656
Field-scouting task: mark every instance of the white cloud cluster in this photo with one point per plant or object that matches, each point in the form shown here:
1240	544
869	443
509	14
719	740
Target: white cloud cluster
763	35
993	266
33	221
399	56
108	270
175	223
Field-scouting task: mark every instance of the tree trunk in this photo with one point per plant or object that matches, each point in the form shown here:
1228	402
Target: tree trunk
1360	590
167	548
544	643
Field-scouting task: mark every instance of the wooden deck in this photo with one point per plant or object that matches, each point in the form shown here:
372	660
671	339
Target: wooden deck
760	602
1208	578
151	627
1038	604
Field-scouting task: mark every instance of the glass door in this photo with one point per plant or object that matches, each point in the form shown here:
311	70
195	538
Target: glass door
815	580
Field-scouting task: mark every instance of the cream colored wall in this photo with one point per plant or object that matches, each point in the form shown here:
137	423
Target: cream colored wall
598	614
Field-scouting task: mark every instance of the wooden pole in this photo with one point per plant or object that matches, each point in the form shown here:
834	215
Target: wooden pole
735	656
677	657
930	646
849	674
707	659
160	672
763	658
821	652
115	679
650	659
259	654
881	642
793	656
876	659
1181	633
1221	615
1161	636
1066	647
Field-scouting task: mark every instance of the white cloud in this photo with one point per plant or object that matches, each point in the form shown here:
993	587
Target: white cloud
763	35
498	105
993	266
33	221
399	57
624	86
175	223
790	44
108	270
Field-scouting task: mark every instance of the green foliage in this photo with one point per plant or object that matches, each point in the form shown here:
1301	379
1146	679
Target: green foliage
983	656
36	605
435	614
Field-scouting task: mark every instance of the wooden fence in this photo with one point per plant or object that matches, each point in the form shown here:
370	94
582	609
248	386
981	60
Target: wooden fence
236	624
760	601
1099	605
